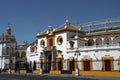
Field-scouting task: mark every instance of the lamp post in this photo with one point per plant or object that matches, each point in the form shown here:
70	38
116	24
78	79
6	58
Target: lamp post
77	53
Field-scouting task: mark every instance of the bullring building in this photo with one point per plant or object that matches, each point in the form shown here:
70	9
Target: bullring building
91	49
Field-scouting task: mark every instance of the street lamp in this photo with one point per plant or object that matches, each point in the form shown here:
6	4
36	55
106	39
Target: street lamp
77	53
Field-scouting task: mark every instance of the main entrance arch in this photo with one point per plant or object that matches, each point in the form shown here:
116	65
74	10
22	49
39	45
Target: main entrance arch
49	62
48	58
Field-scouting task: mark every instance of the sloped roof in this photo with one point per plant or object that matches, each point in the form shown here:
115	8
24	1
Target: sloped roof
65	27
42	33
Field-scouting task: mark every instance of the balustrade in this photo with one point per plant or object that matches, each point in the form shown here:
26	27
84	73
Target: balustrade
97	47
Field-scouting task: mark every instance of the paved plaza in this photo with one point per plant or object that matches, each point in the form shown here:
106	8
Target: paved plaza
6	76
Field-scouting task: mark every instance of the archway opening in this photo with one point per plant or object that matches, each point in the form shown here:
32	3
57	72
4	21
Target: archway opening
49	62
90	42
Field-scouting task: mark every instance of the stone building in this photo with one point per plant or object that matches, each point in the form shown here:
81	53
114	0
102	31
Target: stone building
20	56
69	47
12	54
7	49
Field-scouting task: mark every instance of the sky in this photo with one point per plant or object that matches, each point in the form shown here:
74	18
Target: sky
26	18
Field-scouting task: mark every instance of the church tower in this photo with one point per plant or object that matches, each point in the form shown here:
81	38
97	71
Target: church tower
8	31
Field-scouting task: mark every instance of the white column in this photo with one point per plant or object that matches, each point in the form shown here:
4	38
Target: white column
112	40
0	62
103	41
94	39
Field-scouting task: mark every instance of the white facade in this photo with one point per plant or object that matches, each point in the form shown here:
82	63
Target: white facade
1	58
100	49
7	49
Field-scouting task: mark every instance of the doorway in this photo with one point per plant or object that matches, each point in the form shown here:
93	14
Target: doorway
49	62
60	64
107	63
86	65
72	65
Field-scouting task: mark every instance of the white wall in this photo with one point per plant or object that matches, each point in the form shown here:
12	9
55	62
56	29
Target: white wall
102	53
39	49
97	65
1	49
1	58
62	47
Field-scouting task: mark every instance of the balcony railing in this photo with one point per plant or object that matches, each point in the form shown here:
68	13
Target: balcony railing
99	47
49	48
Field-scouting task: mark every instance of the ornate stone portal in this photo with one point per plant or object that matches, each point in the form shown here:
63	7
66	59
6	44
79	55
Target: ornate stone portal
48	59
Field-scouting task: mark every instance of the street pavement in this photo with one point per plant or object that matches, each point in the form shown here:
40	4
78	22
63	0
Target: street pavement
6	76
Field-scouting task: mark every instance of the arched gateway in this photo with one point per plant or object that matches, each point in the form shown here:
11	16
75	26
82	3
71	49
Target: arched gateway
48	59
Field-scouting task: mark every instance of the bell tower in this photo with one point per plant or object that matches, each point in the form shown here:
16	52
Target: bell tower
8	31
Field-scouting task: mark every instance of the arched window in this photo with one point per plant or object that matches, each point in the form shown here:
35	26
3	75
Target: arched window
59	40
71	44
116	40
90	42
42	43
107	41
17	55
98	41
23	54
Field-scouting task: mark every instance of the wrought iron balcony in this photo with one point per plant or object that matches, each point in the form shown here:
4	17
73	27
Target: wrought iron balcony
49	48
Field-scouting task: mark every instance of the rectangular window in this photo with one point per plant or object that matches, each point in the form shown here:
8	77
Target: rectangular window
50	42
